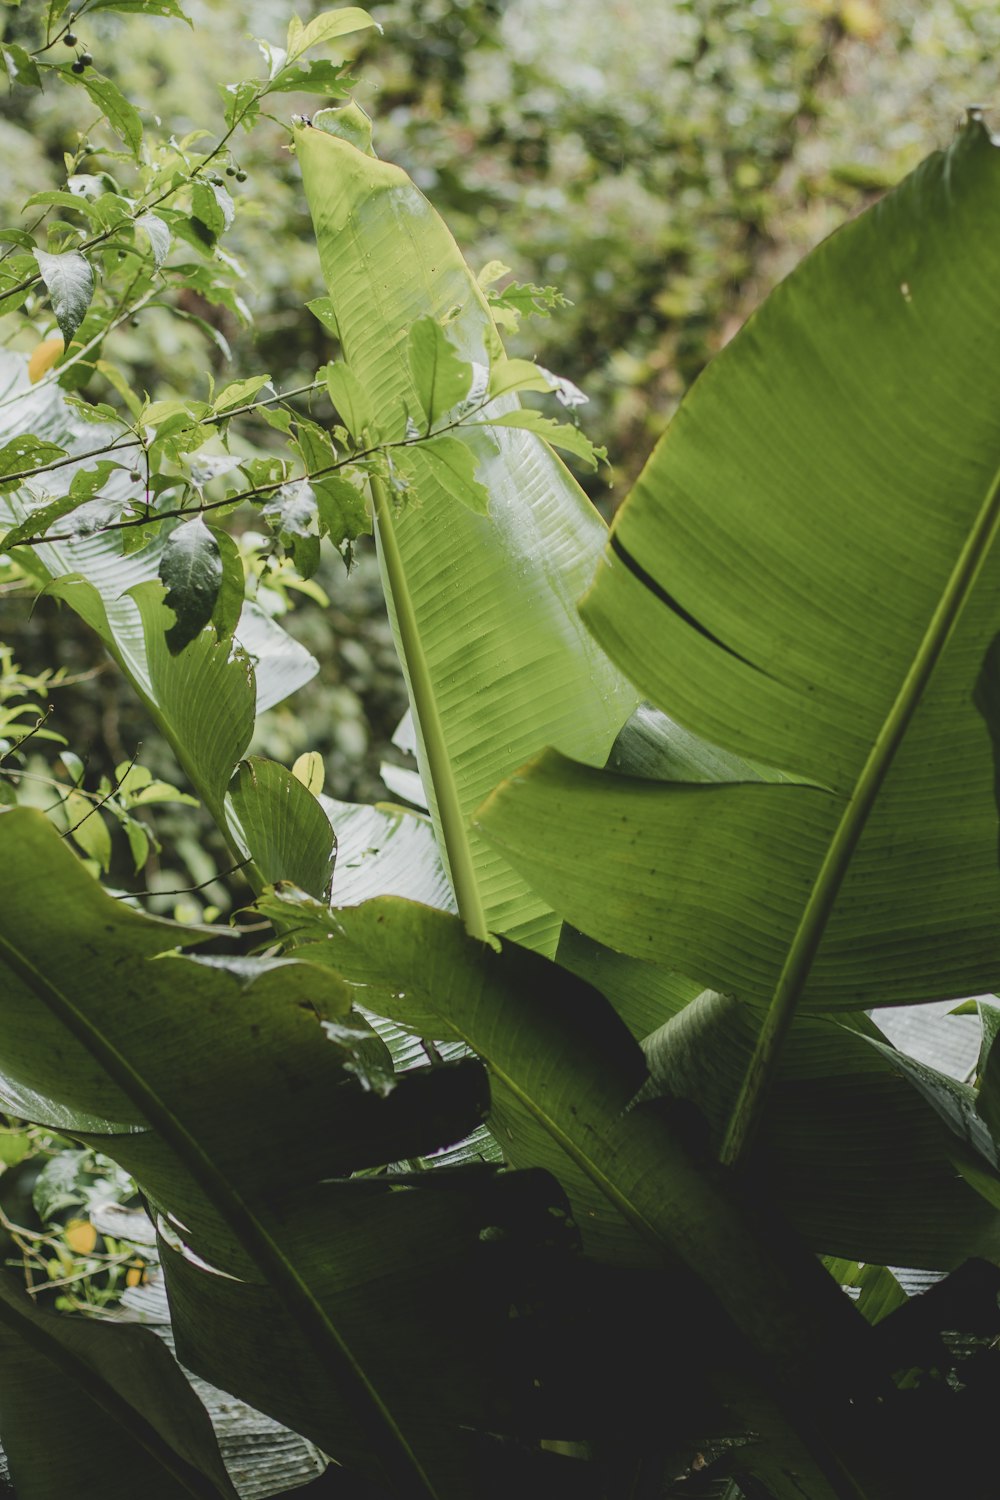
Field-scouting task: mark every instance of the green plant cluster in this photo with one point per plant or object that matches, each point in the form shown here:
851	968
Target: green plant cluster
542	1136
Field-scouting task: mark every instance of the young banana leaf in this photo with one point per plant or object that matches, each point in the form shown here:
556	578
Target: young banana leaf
483	605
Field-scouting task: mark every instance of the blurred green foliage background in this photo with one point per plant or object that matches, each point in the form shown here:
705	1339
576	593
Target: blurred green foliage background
662	164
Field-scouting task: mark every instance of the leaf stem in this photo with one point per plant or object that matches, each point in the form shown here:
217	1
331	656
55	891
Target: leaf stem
799	960
454	831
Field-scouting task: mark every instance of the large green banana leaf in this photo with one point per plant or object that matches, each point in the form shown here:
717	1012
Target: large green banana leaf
483	606
554	1046
557	1044
238	1092
807	574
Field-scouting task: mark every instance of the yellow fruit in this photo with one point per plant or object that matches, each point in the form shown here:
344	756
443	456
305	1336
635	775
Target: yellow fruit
45	355
80	1236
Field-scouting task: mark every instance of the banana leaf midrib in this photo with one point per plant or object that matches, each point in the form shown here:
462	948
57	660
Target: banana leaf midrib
822	897
454	828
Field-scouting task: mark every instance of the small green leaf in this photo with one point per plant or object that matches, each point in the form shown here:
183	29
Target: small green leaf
286	831
206	694
117	378
292	512
342	508
309	770
213	207
441	376
138	843
26	452
131	777
69	281
232	588
492	272
242	103
20	67
557	434
159	792
119	113
86	482
325	28
113	210
88	829
350	399
191	571
524	375
142	7
58	199
321	77
451	463
14	1147
162	411
524	300
93	516
240	392
158	235
322	309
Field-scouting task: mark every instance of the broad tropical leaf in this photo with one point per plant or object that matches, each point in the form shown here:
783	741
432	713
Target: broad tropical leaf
239	1143
807	575
483	605
557	1045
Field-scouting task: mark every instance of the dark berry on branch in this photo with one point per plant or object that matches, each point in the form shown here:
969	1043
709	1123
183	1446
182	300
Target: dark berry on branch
79	66
69	39
241	177
86	59
135	476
